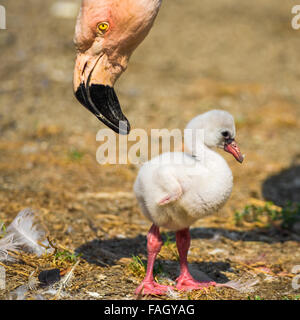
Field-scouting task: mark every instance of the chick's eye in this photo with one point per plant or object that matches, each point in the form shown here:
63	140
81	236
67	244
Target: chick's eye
103	27
225	134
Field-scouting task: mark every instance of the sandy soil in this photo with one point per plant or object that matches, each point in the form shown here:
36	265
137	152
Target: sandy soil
241	57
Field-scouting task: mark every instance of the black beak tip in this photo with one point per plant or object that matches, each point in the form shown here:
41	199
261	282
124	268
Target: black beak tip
103	102
240	160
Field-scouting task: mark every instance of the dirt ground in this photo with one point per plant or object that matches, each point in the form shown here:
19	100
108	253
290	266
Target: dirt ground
239	56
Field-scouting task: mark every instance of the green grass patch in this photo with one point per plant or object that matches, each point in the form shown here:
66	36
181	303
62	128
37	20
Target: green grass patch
75	155
66	256
169	238
255	298
297	297
169	246
138	267
2	229
269	215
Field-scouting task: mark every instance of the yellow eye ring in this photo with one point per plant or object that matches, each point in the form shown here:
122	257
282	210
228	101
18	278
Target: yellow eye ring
103	27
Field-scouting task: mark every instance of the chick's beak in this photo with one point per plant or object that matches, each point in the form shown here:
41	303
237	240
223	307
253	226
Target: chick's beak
232	147
93	88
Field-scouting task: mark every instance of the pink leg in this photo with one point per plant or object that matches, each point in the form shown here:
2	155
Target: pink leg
154	244
185	281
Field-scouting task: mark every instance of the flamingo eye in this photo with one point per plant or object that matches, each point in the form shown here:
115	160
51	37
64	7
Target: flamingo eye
103	27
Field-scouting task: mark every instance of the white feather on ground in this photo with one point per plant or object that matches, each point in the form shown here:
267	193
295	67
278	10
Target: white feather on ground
64	282
20	292
173	294
24	233
244	287
7	244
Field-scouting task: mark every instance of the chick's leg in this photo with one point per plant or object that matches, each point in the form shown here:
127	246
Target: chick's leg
148	285
185	281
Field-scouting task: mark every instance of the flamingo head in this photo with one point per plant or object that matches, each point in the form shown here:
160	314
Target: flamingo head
107	32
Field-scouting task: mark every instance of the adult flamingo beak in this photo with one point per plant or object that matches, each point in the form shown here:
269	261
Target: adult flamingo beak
93	88
232	147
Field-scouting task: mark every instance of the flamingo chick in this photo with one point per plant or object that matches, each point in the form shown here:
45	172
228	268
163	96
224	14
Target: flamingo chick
107	32
176	189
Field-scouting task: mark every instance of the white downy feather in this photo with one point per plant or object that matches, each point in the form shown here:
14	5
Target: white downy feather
244	287
7	244
20	292
27	233
23	233
64	282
